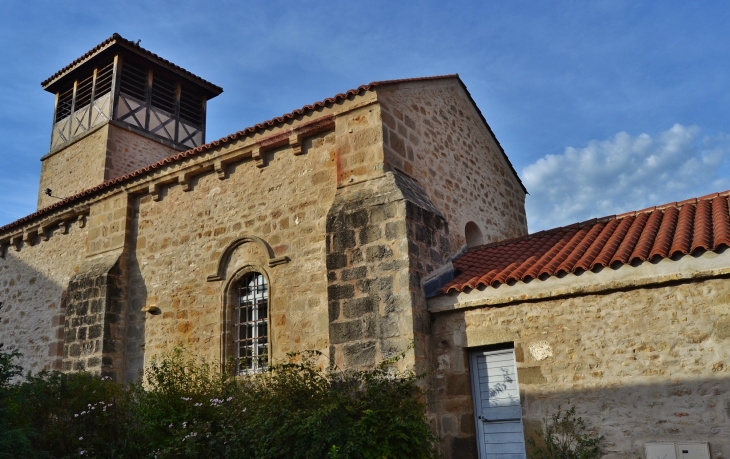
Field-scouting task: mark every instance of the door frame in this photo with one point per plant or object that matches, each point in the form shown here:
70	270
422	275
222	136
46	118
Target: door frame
476	394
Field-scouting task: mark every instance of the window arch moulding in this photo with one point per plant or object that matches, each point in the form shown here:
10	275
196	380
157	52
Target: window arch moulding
273	260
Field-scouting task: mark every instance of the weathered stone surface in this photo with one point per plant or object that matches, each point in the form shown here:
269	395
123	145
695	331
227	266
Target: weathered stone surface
530	375
453	167
33	297
94	336
722	328
367	289
359	354
127	151
359	307
640	365
77	167
108	152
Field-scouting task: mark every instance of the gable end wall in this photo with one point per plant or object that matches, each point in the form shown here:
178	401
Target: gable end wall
433	133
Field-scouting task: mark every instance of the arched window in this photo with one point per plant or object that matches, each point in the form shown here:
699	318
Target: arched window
473	235
251	324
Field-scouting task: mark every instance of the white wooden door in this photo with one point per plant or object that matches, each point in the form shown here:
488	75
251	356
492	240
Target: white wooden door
497	406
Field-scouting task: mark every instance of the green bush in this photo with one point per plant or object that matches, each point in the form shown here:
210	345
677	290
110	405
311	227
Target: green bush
13	441
186	408
564	436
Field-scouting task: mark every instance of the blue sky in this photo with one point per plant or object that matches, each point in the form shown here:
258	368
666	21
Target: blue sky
603	106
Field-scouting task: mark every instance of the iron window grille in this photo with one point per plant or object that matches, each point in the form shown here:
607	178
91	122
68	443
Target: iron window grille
251	326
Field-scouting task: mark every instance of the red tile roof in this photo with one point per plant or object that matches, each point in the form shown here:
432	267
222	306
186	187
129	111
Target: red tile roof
118	39
678	228
249	131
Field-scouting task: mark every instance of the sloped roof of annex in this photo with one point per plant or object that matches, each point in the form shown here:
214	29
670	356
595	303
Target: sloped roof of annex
668	232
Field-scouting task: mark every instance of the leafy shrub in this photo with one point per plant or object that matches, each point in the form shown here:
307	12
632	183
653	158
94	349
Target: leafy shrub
564	436
13	442
185	408
67	415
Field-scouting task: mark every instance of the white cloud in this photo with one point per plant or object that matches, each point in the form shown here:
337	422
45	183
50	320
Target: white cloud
624	173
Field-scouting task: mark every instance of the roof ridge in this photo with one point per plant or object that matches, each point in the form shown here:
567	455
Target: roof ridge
593	221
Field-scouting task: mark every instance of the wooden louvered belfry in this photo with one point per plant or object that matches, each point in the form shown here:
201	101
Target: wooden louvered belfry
120	82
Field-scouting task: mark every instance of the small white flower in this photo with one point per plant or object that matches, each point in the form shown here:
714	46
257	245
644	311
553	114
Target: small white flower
81	438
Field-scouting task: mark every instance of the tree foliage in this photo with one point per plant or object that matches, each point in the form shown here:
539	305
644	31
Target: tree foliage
185	408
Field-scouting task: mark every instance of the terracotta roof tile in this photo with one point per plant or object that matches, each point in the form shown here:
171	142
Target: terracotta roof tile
662	231
647	237
683	233
628	244
720	223
665	234
611	246
586	261
702	234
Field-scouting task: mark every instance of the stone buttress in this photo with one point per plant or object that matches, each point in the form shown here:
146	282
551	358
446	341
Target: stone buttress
383	237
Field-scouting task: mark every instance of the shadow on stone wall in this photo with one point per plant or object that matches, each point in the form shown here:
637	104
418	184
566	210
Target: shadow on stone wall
681	408
136	316
32	307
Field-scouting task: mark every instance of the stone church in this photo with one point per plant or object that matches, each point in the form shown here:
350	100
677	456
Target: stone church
382	219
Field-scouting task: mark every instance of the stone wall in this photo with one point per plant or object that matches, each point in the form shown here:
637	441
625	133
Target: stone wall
109	224
359	151
433	133
383	236
95	317
369	301
128	151
33	281
640	365
75	168
284	204
104	154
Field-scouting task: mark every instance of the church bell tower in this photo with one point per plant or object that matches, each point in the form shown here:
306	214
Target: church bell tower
119	108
